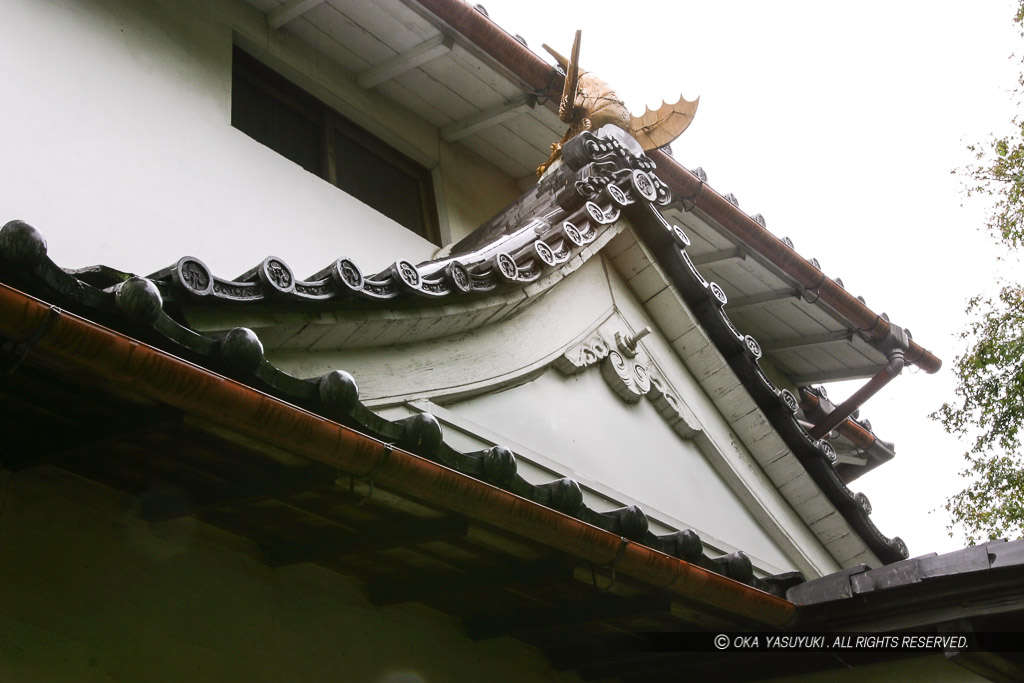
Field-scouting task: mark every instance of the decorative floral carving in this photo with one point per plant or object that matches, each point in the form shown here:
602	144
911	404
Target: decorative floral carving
630	378
237	290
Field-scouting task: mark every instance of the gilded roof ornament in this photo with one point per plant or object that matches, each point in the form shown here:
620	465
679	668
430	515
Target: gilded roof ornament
588	103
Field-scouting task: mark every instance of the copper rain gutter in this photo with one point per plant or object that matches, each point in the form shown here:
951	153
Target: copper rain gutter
83	346
538	76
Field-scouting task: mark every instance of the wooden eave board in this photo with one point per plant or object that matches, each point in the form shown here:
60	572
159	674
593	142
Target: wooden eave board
508	159
795	319
741	276
367	48
391	22
266	6
439	95
430	99
451	69
540	127
786	318
703	237
449	88
331	48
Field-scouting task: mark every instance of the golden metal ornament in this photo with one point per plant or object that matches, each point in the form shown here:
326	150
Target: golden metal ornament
594	104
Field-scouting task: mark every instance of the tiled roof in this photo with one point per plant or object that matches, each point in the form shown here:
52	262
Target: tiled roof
552	229
862	580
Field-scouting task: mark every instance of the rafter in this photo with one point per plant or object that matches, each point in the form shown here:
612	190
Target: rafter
399	64
487	118
719	256
807	340
293	9
762	298
839	375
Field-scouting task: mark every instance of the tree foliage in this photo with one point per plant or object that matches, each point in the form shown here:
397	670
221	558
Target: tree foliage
988	408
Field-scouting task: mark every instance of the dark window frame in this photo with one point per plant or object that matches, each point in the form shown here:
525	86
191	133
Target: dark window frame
331	125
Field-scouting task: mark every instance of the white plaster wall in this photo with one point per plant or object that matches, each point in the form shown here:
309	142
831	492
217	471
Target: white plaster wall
729	500
89	592
535	334
595	437
735	463
474	190
117	144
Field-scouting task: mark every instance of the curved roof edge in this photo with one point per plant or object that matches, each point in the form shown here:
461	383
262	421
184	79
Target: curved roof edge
134	306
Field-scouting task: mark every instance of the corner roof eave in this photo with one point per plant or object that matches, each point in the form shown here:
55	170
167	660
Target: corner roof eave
536	75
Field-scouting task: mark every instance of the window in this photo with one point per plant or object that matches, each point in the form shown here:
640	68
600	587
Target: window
272	110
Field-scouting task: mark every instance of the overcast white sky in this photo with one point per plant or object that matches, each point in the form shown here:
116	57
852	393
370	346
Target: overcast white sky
840	123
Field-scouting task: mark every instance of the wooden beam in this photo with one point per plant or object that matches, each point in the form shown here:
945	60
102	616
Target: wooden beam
293	9
835	375
399	64
487	118
762	298
433	587
807	340
330	543
521	622
719	256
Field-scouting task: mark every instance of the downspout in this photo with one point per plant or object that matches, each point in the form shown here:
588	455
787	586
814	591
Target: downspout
82	346
848	429
895	345
541	78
